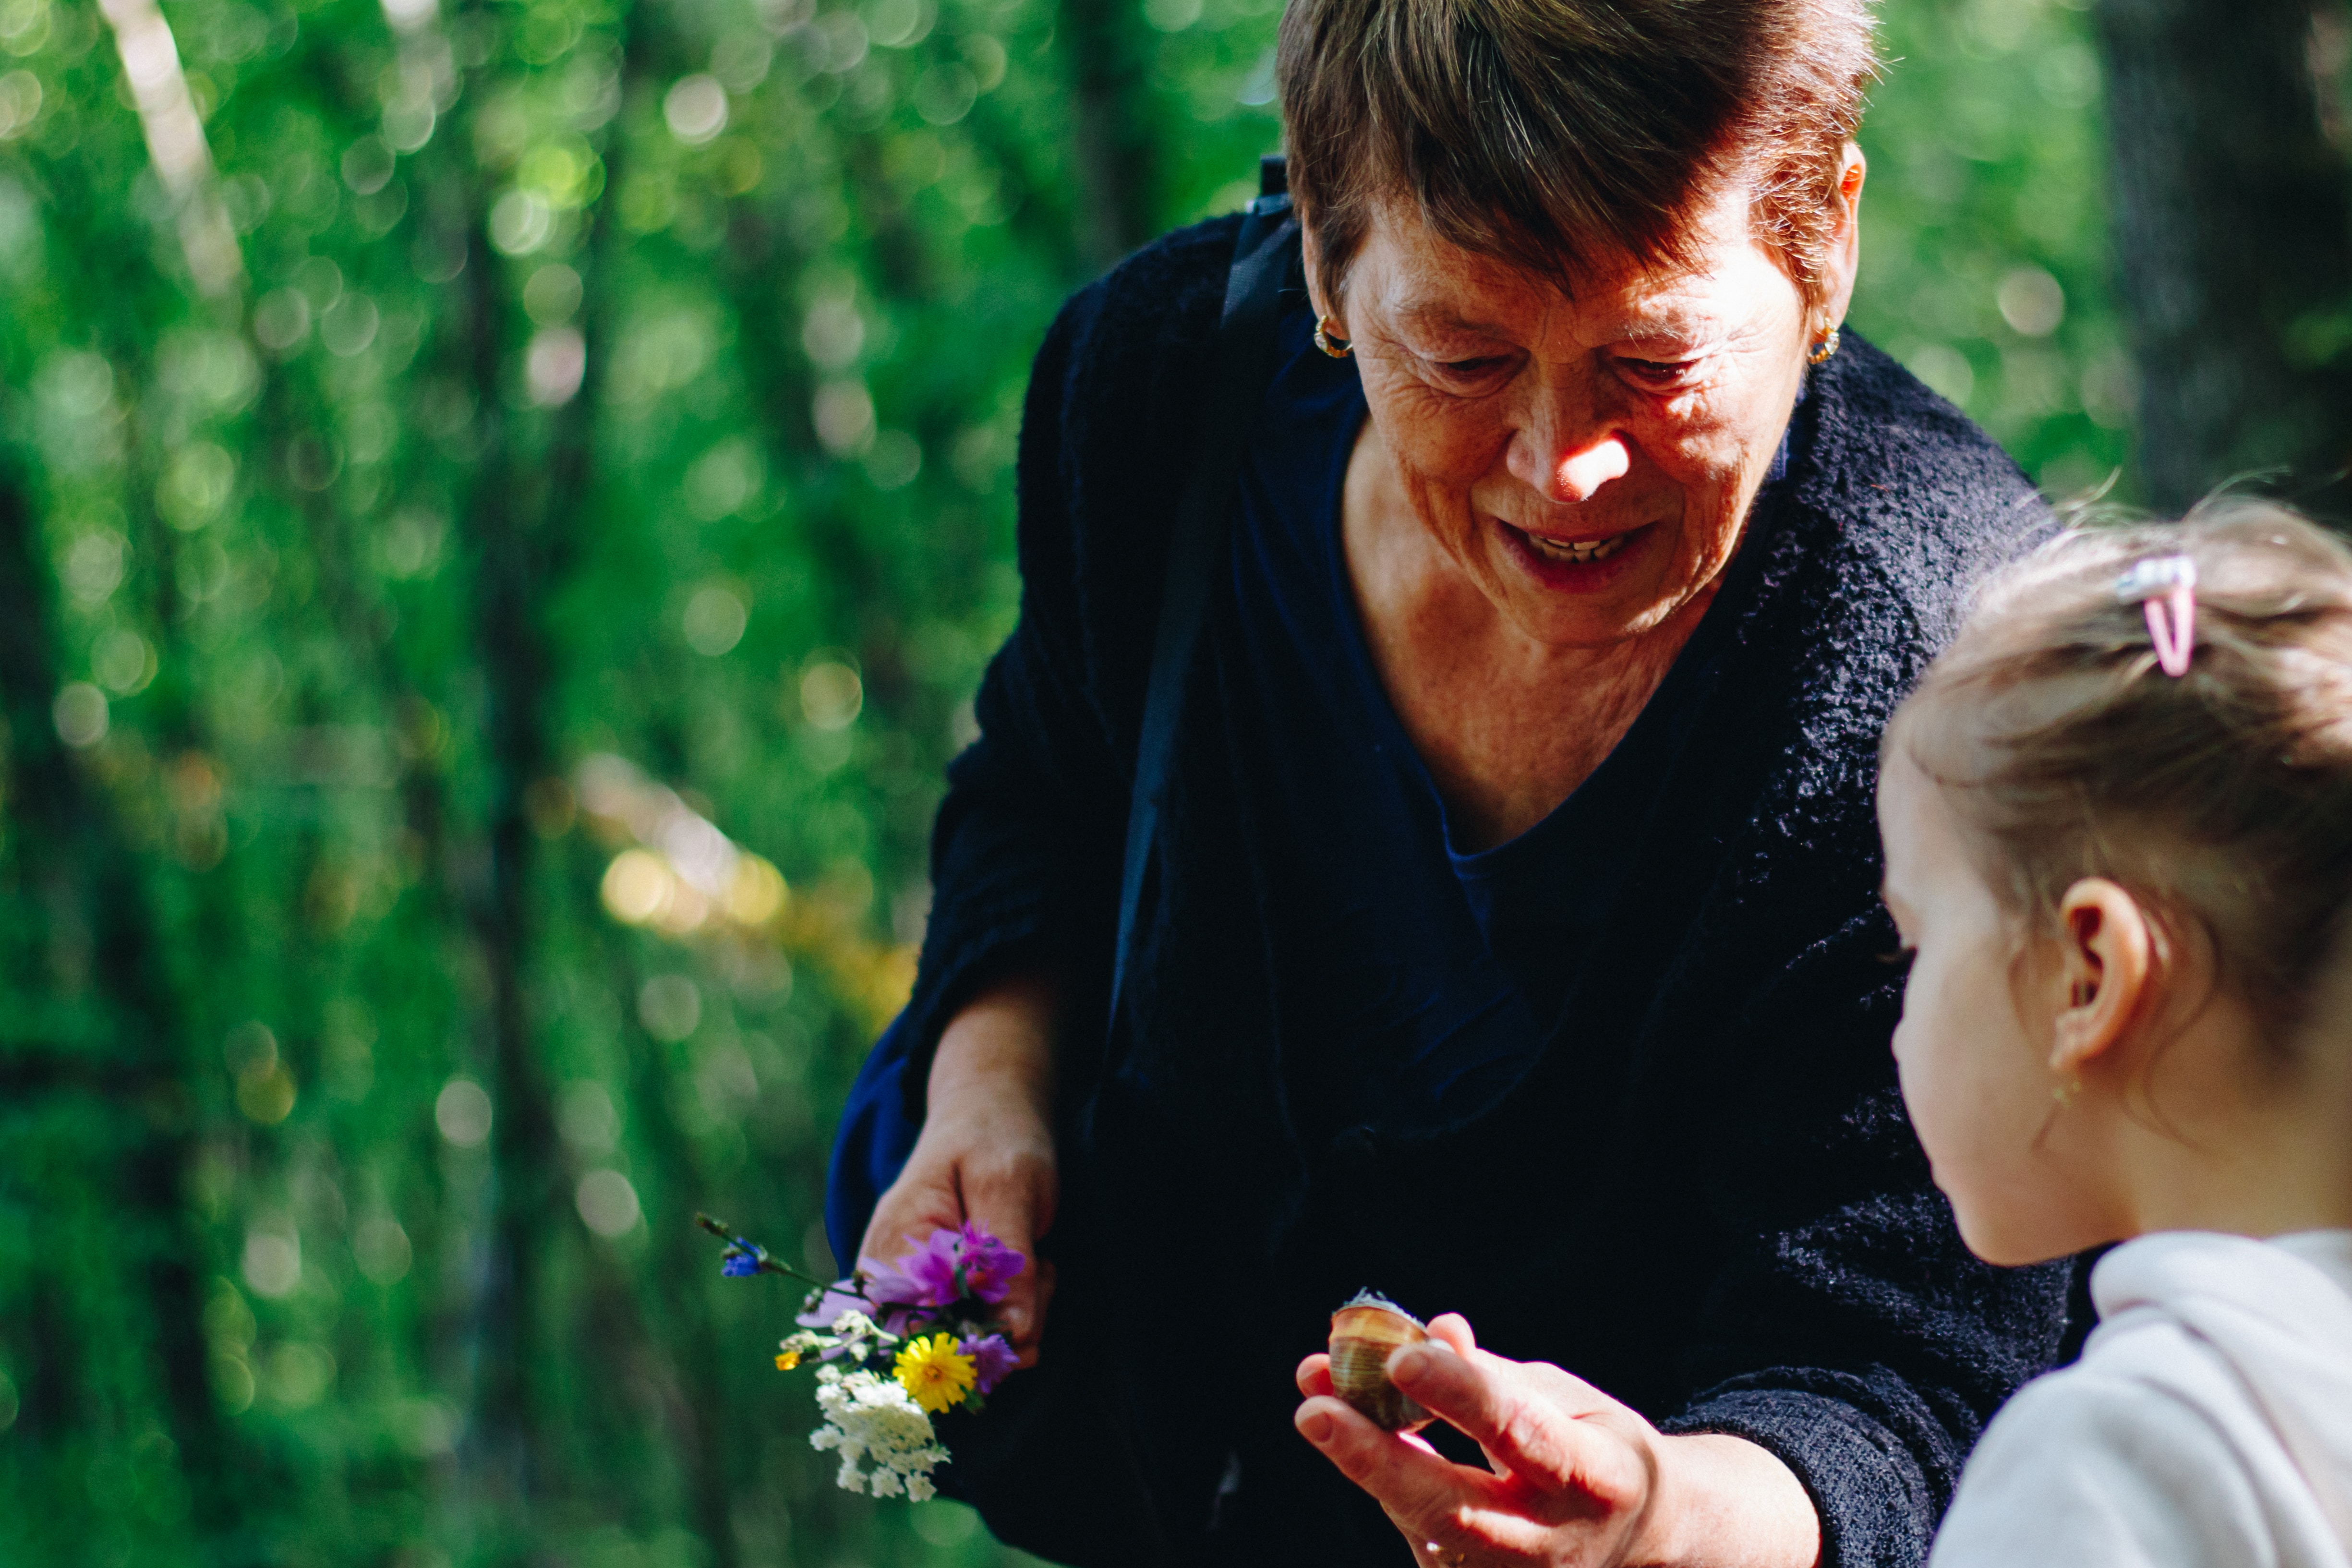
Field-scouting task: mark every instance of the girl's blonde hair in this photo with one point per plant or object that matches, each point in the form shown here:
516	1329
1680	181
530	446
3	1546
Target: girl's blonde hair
2222	799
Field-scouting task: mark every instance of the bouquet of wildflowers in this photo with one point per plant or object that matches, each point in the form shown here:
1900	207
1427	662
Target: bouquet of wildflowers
894	1345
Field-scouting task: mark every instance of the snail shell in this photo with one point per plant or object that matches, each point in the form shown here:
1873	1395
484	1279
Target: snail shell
1363	1333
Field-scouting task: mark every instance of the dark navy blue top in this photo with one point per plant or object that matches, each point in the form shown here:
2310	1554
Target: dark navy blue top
1715	1208
1443	971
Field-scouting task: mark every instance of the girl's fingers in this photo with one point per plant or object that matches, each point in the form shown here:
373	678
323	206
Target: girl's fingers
1315	1376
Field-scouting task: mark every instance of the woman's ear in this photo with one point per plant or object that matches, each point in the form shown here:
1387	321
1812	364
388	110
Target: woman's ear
2107	950
1844	254
1311	257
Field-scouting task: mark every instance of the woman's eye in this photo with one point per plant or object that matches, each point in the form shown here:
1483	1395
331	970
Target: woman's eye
1471	369
1659	373
1900	959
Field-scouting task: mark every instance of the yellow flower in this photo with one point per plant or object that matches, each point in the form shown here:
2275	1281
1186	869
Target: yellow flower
789	1360
934	1372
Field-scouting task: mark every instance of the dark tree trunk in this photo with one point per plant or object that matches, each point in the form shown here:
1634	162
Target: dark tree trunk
1118	175
2233	227
504	524
523	524
67	844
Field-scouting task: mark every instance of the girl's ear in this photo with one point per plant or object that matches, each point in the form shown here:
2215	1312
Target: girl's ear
2107	952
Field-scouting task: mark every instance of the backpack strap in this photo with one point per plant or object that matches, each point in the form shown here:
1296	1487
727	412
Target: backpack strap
1246	357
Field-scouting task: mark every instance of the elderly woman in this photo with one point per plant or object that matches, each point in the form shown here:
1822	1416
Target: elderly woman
1511	940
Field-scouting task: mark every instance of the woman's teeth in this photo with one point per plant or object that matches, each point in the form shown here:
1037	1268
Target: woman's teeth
1582	552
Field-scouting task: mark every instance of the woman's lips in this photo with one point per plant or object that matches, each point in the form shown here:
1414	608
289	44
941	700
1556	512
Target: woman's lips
1574	566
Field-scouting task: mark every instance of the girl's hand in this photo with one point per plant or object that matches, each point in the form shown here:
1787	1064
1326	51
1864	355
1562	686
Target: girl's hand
986	1149
1577	1478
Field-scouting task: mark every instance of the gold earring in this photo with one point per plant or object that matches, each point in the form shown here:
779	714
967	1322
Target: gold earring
1823	347
1336	346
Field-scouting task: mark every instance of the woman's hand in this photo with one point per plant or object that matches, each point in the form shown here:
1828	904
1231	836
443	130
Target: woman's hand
1578	1479
986	1149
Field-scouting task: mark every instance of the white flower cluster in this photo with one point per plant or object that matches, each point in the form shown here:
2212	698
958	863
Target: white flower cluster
852	1332
871	1420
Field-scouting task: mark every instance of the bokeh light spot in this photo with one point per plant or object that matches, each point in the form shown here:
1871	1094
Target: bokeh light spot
714	620
80	714
694	109
462	1111
832	695
637	886
607	1203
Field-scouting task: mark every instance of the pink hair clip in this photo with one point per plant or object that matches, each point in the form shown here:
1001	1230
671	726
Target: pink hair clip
2159	584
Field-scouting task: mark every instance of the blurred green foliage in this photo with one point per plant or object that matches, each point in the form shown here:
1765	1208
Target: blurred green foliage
1986	261
501	419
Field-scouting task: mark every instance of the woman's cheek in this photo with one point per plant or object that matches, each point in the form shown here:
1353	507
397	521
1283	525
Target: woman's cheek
1441	470
1438	437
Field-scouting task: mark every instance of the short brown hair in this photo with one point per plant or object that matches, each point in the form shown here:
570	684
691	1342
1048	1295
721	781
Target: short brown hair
2220	799
1556	134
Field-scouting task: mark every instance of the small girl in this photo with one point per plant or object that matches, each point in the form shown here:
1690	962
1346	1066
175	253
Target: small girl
2118	825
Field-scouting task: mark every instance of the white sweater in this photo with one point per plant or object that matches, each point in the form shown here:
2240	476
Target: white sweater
2209	1422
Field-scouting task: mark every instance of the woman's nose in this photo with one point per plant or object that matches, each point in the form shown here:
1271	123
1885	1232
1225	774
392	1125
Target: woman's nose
1576	475
1567	474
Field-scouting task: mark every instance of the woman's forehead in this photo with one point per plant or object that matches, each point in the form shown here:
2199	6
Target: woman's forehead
1490	296
1424	280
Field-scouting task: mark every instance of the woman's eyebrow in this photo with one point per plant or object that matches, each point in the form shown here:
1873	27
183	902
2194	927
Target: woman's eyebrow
1421	314
1680	326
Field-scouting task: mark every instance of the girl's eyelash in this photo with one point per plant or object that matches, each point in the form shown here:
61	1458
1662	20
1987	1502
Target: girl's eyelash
1900	957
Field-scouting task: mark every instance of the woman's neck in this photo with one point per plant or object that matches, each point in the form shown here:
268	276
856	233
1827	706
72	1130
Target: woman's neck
1508	726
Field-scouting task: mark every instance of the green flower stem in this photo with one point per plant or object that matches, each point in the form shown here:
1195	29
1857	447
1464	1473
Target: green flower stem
768	1264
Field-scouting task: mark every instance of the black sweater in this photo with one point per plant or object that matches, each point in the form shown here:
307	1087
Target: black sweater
1705	1199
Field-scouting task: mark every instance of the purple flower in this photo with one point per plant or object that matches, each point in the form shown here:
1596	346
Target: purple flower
739	1265
989	1264
991	1358
931	1269
886	1286
965	1263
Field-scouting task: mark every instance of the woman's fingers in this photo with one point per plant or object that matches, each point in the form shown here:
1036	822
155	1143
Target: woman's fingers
1573	1475
1013	1193
1412	1479
1526	1417
992	1167
1464	1512
1454	1330
922	1200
